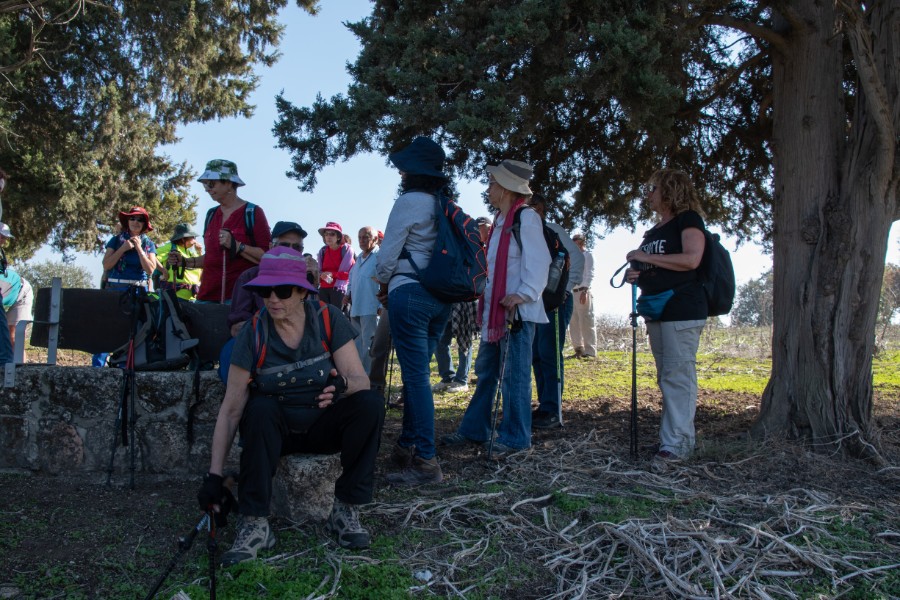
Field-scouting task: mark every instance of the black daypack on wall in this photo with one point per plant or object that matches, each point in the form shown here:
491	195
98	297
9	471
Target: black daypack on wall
162	341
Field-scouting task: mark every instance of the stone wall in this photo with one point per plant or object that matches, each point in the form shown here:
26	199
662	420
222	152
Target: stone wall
61	420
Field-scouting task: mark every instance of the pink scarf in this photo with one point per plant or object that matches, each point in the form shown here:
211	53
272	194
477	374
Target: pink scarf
497	316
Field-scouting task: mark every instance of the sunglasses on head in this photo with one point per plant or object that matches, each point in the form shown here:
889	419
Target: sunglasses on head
138	219
294	245
283	292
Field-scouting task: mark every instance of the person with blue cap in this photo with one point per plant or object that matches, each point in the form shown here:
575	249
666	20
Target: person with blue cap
417	318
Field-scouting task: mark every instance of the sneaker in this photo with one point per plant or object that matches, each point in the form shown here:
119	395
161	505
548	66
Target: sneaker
402	457
455	439
253	535
499	451
420	472
456	387
441	386
545	420
344	522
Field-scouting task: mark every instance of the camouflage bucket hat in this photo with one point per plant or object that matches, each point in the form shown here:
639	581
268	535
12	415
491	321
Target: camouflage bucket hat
222	170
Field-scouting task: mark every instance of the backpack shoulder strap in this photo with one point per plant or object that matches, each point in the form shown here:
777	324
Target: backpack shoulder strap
517	225
260	339
250	221
325	323
209	217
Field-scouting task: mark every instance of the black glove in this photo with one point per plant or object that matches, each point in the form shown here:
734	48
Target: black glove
339	382
211	492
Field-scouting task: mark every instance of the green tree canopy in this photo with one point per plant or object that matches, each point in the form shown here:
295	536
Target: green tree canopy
41	274
754	302
90	90
595	94
785	115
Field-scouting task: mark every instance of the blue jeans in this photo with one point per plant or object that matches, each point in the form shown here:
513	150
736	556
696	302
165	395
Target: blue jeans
445	359
515	429
547	355
417	321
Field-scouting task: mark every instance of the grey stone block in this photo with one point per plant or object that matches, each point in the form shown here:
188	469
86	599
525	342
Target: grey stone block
303	487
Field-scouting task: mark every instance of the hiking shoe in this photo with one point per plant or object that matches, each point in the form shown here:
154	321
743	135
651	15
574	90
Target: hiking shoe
455	439
253	535
456	387
545	420
420	472
402	457
662	460
499	451
344	522
441	386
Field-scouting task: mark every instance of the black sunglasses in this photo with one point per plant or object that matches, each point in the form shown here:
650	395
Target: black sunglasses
282	291
294	245
138	219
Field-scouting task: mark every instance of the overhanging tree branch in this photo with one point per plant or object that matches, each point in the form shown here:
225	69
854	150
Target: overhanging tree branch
776	41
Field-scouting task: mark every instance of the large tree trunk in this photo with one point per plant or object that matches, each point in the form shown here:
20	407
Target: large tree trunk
835	199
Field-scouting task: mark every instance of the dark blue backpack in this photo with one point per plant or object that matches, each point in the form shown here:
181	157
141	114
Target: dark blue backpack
457	271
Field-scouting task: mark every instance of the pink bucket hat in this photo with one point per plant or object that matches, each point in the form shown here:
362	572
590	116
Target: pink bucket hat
281	266
332	226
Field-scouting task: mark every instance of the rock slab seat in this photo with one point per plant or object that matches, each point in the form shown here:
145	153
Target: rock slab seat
303	487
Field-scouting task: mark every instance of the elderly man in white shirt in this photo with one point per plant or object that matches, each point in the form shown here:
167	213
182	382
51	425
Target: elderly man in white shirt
511	308
581	329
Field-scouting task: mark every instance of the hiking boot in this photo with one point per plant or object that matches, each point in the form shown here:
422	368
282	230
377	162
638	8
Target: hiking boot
662	460
253	535
402	457
456	387
499	451
455	439
420	472
344	522
545	420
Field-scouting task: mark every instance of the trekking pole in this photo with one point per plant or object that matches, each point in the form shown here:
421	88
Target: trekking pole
184	544
634	415
211	547
558	365
633	423
390	374
504	353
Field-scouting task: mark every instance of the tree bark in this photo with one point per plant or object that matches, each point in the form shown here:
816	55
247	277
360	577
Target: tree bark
835	198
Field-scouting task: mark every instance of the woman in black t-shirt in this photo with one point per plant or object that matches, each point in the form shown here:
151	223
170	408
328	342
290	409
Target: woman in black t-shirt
666	265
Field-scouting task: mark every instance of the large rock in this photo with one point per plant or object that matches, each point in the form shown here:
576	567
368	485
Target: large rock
303	488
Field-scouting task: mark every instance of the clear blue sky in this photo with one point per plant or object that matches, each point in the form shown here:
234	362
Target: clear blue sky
360	192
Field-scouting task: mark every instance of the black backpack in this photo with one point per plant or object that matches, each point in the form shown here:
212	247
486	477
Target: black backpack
716	273
457	271
162	341
553	298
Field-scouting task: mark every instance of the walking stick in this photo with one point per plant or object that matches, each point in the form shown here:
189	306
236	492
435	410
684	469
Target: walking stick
558	365
387	397
633	423
504	353
126	417
184	544
634	416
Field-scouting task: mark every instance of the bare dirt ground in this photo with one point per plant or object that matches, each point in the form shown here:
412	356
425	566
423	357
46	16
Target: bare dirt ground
82	538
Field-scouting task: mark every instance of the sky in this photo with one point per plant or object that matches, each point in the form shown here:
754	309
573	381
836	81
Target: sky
359	192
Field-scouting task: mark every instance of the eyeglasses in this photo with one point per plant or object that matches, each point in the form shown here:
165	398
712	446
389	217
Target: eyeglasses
283	292
294	245
138	219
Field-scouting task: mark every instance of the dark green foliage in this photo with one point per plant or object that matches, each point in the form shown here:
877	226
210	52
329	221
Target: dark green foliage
91	89
596	94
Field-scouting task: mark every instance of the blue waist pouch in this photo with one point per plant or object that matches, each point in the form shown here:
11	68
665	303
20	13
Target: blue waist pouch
651	306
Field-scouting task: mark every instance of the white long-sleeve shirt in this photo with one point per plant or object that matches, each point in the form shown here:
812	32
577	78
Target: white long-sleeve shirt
527	268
